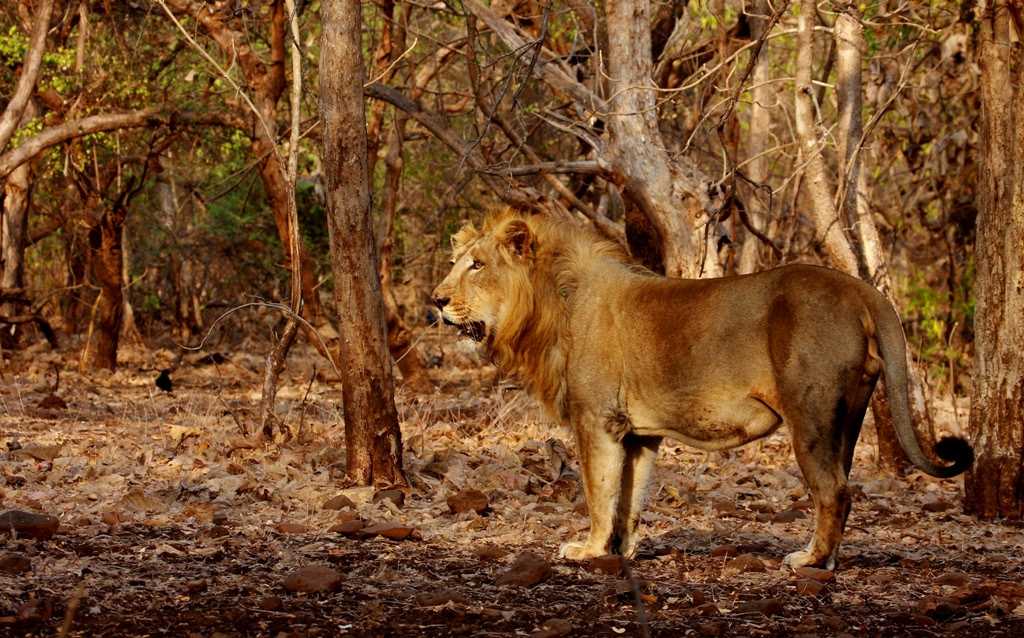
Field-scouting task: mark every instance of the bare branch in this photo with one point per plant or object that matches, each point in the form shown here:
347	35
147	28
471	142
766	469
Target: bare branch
29	74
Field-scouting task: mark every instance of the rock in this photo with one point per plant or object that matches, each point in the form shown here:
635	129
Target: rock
358	495
937	608
340	502
809	587
788	516
14	564
52	402
196	586
393	531
707	609
440	597
490	551
28	524
270	603
286	527
767	606
395	496
743	564
937	504
37	452
312	579
956	579
816	574
468	500
348	528
610	564
527	570
553	628
725	551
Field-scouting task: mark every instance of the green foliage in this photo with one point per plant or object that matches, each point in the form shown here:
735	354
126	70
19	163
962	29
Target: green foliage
13	46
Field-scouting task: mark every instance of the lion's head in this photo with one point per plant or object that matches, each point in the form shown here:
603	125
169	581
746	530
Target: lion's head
489	287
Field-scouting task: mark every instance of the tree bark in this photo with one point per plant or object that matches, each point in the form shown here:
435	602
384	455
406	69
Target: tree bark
12	115
995	486
106	268
760	123
816	178
372	433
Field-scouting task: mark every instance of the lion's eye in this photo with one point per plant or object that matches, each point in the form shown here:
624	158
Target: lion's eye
477	265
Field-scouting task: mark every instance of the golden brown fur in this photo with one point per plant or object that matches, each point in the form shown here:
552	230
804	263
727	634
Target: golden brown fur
626	358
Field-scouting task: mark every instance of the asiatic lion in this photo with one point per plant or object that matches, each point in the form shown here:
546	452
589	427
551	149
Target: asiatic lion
625	357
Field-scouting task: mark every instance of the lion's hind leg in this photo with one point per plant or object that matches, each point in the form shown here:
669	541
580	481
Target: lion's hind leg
825	456
641	454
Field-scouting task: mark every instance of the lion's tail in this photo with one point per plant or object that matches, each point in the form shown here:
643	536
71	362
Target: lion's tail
893	344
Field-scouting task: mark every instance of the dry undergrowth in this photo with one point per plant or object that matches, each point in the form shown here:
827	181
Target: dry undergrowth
174	522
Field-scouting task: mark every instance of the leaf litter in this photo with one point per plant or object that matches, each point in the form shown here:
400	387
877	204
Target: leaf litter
169	518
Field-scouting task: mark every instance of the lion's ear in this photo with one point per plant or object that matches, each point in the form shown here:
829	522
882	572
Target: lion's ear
518	237
466	235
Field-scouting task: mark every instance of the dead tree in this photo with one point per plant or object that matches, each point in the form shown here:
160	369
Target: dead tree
995	486
372	433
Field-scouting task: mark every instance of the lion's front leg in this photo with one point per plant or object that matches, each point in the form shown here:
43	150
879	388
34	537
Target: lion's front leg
601	459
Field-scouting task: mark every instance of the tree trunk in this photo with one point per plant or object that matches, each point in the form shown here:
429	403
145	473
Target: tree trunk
373	437
105	267
995	486
760	124
816	178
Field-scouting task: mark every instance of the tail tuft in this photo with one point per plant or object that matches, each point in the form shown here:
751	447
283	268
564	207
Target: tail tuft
957	451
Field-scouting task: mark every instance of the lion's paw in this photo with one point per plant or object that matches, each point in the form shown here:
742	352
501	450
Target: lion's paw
577	551
804	558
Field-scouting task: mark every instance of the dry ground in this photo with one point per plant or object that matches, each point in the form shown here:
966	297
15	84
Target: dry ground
173	521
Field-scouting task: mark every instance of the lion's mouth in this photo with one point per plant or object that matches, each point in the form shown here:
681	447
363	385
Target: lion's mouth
475	330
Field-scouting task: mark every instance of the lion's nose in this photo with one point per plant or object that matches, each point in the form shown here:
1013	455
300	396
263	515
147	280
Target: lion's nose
441	302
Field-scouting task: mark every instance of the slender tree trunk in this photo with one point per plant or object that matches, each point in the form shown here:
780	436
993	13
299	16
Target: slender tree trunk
760	124
374	441
105	266
995	486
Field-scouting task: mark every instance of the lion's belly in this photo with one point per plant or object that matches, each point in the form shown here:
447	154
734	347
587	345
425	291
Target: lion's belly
706	423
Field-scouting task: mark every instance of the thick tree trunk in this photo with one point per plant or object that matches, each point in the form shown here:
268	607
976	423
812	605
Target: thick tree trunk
105	267
372	433
995	486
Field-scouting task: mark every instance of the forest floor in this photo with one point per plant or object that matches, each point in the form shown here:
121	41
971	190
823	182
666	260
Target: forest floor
175	520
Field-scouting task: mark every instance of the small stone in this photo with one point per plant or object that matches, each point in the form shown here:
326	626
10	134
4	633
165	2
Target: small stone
28	524
937	504
610	564
14	564
816	574
768	607
348	528
490	551
270	603
955	579
340	502
440	597
52	402
196	586
393	531
285	527
940	609
527	570
553	628
707	609
788	516
743	564
725	551
312	579
468	500
395	496
809	587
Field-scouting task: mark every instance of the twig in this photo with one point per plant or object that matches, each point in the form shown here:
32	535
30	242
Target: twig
638	601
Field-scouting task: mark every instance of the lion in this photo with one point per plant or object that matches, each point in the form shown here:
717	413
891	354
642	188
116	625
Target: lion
625	358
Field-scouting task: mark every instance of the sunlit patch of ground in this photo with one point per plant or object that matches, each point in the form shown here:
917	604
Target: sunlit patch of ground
176	521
